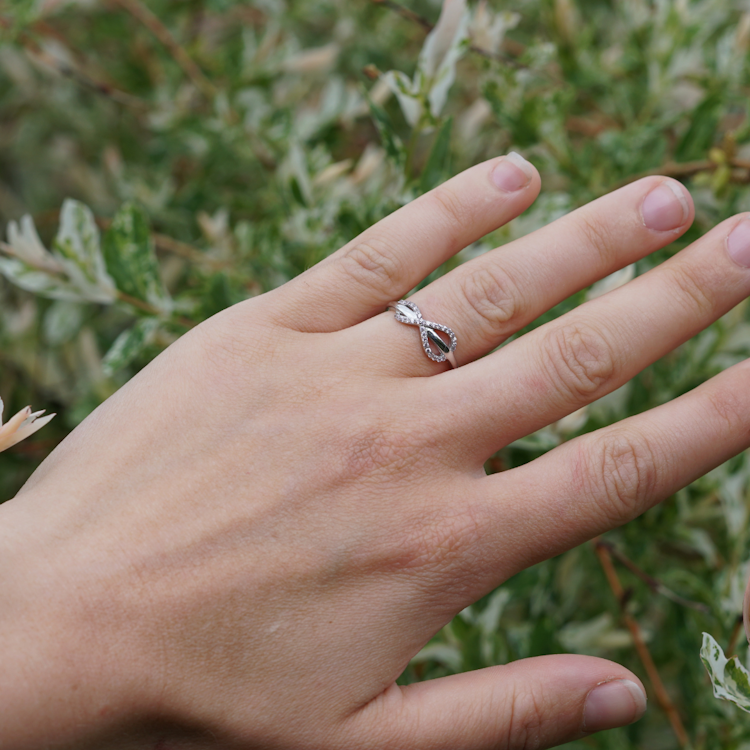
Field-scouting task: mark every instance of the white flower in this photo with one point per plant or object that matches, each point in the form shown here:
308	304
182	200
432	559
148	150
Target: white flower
20	426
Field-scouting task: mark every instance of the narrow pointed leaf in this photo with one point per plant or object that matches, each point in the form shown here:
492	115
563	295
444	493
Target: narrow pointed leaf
392	144
129	344
437	168
78	249
131	259
39	282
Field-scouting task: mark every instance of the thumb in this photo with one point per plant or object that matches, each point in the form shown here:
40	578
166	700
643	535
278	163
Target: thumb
539	702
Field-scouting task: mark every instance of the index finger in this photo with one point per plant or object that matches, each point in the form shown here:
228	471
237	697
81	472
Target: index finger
393	256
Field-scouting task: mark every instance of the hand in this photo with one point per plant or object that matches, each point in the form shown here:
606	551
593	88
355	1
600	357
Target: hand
245	546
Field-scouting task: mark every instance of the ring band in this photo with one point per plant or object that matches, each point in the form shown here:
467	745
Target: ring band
408	312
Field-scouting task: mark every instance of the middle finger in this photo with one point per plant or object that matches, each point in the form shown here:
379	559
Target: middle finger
594	349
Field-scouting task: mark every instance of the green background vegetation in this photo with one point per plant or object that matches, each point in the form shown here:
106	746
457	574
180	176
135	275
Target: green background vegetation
251	151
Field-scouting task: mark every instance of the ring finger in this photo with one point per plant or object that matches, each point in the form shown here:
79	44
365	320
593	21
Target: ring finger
492	297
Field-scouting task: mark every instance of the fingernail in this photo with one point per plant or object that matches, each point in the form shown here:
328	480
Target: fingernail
738	243
613	704
665	207
512	173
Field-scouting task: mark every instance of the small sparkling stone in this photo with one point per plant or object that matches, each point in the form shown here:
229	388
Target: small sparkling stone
414	317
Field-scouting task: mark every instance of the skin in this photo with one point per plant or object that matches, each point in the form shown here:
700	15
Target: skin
245	545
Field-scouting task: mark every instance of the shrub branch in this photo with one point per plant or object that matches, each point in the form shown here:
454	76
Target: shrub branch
151	21
660	692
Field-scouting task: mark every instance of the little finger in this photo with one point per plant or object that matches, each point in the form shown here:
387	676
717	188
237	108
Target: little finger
603	479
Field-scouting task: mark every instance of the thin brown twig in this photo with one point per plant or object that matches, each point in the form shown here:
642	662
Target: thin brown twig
79	76
662	696
670	169
152	22
151	310
410	15
177	247
406	13
653	583
162	242
53	267
143	14
735	636
682	169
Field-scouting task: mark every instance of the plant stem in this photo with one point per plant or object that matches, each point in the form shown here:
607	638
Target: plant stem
660	692
410	149
150	309
80	77
410	15
121	296
682	169
151	21
734	637
654	584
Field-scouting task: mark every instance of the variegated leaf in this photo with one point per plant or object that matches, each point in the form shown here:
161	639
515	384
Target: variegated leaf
62	321
77	248
129	344
39	282
131	260
444	47
407	93
730	679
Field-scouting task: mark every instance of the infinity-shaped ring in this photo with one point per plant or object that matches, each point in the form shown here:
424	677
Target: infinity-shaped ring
408	312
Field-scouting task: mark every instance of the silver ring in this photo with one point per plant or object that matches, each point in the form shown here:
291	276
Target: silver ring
408	312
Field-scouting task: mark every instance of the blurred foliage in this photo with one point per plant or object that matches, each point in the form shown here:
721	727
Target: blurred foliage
731	681
213	149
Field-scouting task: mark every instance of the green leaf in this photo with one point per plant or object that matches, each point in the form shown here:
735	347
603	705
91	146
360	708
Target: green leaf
37	281
77	248
437	168
392	144
74	271
448	655
730	679
702	131
408	95
129	344
440	79
62	321
131	260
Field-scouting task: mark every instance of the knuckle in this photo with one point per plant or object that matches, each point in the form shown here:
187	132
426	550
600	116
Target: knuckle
431	545
524	728
442	542
623	477
491	295
599	235
451	206
729	408
581	359
370	262
693	287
